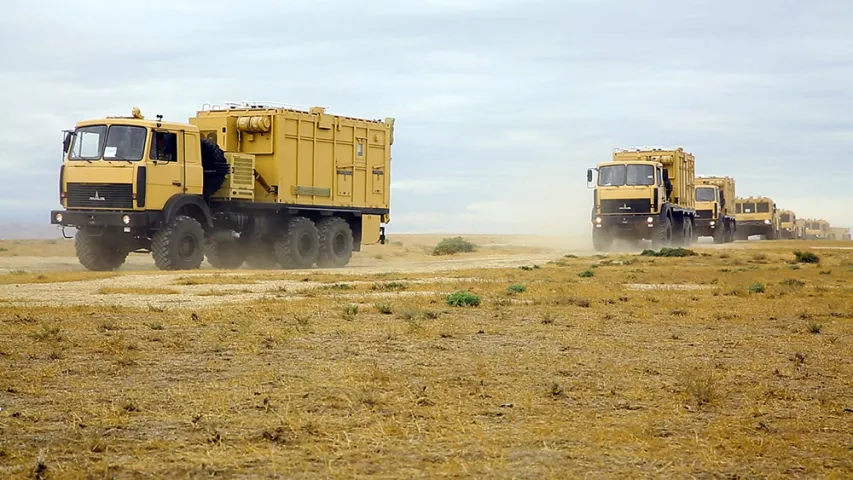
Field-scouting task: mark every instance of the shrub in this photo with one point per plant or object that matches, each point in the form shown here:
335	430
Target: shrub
586	274
756	287
452	246
516	288
806	257
669	252
463	299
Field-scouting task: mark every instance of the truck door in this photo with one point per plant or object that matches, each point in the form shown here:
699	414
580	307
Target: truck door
166	173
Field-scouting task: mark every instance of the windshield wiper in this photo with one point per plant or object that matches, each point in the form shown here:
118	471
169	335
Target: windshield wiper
121	158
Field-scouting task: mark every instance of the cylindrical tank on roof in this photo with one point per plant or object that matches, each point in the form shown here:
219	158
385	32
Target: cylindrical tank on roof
254	124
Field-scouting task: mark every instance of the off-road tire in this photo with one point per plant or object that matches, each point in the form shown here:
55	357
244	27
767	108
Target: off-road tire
602	241
336	242
225	255
298	246
721	234
180	245
259	253
215	167
663	235
687	241
96	253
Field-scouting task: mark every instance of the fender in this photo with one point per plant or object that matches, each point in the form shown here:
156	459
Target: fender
193	203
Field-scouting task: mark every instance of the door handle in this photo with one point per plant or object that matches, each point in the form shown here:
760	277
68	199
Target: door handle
176	183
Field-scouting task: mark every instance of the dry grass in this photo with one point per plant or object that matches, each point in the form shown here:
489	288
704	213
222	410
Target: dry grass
137	291
25	277
565	377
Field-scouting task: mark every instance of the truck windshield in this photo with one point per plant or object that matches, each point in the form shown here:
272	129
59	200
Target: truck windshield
748	208
786	217
116	142
705	195
632	175
763	208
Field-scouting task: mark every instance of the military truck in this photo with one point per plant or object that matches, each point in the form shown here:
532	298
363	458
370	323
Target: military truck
800	228
817	229
644	194
839	234
715	216
271	187
757	216
788	225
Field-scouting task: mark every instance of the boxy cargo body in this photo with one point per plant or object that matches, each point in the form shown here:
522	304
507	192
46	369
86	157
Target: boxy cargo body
715	216
644	195
839	234
271	187
757	216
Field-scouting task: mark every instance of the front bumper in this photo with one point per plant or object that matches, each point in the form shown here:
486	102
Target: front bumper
626	222
99	218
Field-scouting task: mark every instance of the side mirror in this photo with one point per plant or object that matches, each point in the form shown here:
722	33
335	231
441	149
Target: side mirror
66	143
589	175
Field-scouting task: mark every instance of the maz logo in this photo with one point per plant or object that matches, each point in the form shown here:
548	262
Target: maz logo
97	197
623	207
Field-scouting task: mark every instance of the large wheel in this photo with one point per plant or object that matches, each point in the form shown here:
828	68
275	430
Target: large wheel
663	235
215	167
688	237
97	252
721	233
180	245
601	239
336	242
225	255
299	245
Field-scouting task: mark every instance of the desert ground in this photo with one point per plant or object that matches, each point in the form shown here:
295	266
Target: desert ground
530	357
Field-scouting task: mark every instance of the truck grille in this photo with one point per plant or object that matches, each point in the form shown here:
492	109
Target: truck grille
100	195
704	214
626	207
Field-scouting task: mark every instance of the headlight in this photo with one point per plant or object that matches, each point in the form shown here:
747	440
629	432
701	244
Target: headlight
650	220
713	223
767	222
59	217
597	219
125	219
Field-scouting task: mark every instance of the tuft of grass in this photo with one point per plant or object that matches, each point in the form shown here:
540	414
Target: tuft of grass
756	287
815	328
463	299
793	283
516	288
453	246
587	274
389	286
806	257
384	308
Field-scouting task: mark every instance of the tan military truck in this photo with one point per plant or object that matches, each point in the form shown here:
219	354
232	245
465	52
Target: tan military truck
788	225
272	187
839	234
715	213
800	228
644	195
817	229
757	216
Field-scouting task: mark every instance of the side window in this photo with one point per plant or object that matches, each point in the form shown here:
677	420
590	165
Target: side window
164	146
660	176
739	208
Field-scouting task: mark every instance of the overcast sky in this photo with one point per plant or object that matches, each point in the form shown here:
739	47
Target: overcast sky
501	105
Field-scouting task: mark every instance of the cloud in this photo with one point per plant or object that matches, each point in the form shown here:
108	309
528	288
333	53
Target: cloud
500	105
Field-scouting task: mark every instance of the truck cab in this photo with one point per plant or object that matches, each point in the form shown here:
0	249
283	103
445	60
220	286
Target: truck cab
788	225
636	199
757	216
131	184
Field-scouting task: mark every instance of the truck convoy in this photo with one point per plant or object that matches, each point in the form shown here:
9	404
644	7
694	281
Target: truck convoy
271	187
757	216
715	216
644	195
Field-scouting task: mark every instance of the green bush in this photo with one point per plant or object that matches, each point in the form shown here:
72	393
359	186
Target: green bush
806	257
756	287
452	246
586	274
463	299
516	288
669	252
